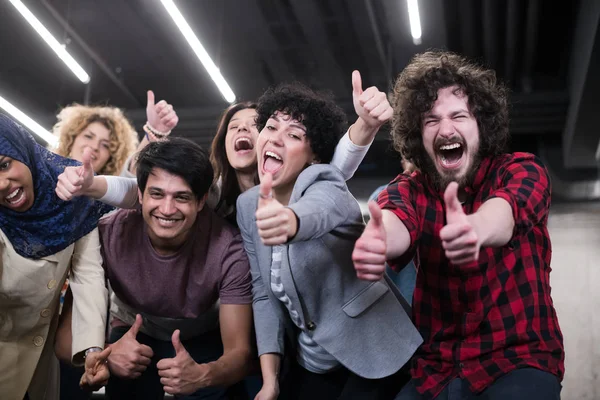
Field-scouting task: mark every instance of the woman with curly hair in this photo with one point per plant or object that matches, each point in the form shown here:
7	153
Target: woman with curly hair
474	218
347	338
234	157
108	134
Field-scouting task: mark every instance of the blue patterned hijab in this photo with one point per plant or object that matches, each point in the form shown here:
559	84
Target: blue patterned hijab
50	225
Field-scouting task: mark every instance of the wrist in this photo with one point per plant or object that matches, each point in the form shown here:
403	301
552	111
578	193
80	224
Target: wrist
203	375
362	133
293	223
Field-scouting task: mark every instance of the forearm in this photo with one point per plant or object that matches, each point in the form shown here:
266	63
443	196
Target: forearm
397	236
230	368
362	134
269	365
494	223
98	188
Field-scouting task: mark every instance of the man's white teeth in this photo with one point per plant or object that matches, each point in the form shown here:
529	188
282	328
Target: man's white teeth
450	146
167	221
271	154
13	194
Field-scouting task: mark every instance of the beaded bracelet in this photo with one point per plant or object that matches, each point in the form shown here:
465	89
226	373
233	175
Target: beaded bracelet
154	134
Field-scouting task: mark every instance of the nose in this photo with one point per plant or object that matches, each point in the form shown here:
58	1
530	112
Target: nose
167	207
94	145
243	127
275	137
446	128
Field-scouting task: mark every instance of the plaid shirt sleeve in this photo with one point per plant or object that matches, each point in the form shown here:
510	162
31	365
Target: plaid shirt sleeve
526	187
399	197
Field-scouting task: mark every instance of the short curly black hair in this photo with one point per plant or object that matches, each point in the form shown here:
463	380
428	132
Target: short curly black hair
416	90
325	121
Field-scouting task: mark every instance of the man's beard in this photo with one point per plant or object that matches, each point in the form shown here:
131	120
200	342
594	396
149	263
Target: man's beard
442	181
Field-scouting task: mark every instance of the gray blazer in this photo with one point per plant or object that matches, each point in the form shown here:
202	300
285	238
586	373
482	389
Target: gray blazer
364	325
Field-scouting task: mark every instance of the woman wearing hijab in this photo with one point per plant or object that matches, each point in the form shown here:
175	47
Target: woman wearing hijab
42	239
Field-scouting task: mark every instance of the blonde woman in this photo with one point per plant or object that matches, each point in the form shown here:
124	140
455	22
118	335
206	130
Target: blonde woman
109	135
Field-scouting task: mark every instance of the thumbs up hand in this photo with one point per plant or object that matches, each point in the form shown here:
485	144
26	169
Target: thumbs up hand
96	370
161	115
369	253
371	105
181	375
459	237
129	358
74	181
276	223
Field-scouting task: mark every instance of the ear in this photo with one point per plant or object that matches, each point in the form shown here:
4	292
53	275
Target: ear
139	196
202	202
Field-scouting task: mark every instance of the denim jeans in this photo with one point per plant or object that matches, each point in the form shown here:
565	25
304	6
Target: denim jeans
519	384
203	349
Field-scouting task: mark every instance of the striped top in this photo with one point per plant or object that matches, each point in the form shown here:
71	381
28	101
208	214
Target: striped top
310	355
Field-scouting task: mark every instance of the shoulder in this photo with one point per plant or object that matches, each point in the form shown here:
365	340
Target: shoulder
319	172
521	164
119	219
246	202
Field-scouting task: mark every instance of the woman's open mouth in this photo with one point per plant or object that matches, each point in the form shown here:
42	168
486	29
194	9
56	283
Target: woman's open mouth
243	145
450	155
272	162
16	198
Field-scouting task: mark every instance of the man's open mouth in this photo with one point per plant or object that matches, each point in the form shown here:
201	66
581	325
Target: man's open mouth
450	154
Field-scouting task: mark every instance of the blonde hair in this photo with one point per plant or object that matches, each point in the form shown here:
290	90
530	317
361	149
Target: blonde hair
73	119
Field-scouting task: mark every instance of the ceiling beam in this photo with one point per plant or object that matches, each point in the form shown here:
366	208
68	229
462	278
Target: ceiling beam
93	55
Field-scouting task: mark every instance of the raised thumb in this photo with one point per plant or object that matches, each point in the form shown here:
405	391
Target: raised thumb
177	342
135	328
451	198
150	97
356	83
265	191
376	216
86	160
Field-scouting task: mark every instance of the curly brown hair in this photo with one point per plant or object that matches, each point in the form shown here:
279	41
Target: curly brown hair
416	90
73	119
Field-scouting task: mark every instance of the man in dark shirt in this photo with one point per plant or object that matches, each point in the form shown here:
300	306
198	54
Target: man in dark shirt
476	218
181	301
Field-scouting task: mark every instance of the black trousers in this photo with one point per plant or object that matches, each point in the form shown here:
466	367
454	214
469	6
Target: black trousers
341	384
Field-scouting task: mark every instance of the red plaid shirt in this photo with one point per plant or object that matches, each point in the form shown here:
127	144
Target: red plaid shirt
481	320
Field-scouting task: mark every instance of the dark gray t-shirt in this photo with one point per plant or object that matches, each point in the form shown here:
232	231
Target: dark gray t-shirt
212	265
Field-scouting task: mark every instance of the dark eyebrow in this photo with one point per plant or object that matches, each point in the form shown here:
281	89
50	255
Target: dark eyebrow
179	193
276	118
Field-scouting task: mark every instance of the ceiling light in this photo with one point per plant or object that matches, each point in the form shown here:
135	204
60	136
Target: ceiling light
415	21
51	41
30	124
201	53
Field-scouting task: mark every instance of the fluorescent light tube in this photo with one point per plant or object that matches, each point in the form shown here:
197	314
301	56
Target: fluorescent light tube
201	53
28	122
415	21
51	41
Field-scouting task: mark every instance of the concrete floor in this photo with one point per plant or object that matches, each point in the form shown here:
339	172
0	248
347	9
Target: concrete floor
575	280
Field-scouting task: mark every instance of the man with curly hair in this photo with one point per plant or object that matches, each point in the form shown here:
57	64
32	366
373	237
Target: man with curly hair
476	218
